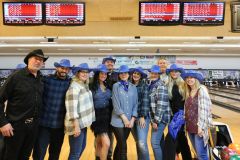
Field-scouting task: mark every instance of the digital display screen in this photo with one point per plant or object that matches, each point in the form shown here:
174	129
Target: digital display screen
203	13
159	13
65	13
22	13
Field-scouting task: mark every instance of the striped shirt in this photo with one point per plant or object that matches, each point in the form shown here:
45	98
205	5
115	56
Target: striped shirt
79	105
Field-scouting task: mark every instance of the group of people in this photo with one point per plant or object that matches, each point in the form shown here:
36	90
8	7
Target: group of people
37	111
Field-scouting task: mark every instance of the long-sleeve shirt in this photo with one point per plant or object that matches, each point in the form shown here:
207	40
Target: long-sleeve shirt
23	91
124	102
79	105
204	112
160	108
143	100
53	110
177	101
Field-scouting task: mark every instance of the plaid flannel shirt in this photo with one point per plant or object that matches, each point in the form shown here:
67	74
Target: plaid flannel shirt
204	112
143	100
79	105
53	110
159	103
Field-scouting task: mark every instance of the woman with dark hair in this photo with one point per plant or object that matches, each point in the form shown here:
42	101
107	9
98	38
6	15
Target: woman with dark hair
176	140
141	126
102	100
125	103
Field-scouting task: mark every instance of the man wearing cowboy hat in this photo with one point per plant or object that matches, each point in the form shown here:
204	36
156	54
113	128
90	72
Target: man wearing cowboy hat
51	124
23	91
112	77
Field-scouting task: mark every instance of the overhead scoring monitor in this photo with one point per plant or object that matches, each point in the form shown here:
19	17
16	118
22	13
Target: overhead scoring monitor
65	13
159	13
203	13
16	13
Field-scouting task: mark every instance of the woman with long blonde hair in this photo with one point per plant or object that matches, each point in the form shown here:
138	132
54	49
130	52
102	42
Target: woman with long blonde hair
197	113
177	142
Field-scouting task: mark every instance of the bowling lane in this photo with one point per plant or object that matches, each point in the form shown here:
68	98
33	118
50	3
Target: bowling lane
227	95
224	90
225	100
232	119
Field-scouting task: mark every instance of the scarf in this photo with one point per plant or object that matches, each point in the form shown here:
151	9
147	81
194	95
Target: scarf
124	84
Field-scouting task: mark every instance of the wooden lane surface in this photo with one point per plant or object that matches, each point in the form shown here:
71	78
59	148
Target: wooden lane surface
229	117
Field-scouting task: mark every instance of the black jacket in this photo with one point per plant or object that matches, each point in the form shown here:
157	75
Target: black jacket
23	93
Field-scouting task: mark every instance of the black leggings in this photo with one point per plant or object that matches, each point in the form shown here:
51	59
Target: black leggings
180	145
120	151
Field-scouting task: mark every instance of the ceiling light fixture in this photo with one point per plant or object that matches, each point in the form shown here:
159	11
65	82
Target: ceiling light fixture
23	49
174	49
98	42
132	49
217	49
137	42
105	49
64	49
48	42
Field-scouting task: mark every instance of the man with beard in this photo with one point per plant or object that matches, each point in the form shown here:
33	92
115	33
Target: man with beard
23	92
112	77
51	126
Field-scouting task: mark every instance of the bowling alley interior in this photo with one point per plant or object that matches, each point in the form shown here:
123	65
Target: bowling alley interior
202	37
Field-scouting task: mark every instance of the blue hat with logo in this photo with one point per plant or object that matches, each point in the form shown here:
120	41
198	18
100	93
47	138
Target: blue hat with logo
192	73
174	67
63	63
123	69
155	69
108	58
139	70
80	67
101	68
20	66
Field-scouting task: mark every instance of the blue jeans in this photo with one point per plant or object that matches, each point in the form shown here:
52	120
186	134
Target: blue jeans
140	137
77	145
198	145
156	139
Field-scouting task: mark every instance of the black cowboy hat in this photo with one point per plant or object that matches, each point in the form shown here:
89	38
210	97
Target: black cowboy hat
38	53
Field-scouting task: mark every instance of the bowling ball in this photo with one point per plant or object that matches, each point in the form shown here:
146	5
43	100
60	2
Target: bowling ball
226	153
235	147
235	157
